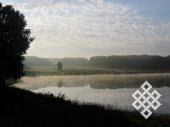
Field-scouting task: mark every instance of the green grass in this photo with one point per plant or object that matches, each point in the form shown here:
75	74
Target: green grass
34	71
23	108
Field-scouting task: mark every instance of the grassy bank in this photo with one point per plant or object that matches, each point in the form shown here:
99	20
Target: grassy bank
34	71
24	108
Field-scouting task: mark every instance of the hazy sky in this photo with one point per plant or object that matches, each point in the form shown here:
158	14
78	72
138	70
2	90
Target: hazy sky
64	28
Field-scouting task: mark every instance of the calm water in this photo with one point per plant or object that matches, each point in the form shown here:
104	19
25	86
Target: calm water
115	90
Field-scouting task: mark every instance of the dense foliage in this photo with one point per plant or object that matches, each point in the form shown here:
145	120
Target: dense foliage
14	41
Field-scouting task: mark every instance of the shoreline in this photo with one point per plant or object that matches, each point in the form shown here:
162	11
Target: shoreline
25	108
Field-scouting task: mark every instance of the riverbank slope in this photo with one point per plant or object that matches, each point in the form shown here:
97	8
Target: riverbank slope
24	108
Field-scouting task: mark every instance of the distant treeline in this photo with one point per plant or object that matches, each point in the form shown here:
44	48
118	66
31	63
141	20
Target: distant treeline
36	61
71	62
67	62
140	62
131	62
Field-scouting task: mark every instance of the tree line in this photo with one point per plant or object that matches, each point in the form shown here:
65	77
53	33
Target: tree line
140	62
131	62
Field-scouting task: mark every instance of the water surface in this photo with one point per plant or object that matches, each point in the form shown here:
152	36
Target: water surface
115	90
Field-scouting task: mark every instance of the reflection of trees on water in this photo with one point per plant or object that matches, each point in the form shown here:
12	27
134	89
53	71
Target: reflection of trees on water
129	83
124	82
98	81
60	83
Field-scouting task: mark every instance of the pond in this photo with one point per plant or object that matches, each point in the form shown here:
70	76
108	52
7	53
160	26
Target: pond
114	90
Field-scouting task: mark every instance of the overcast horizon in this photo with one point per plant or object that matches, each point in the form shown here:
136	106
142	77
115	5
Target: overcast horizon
85	28
90	56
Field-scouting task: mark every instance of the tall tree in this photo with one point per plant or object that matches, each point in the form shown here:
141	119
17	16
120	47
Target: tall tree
14	41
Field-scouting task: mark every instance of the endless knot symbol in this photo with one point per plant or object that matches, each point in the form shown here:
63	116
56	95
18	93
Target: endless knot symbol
146	100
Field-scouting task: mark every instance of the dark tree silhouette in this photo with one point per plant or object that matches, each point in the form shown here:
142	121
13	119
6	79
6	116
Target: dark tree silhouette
59	66
14	41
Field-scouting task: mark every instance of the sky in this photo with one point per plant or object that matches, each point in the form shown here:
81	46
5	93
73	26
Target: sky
85	28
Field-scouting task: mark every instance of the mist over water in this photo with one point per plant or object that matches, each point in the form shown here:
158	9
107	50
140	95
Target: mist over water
101	81
115	90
